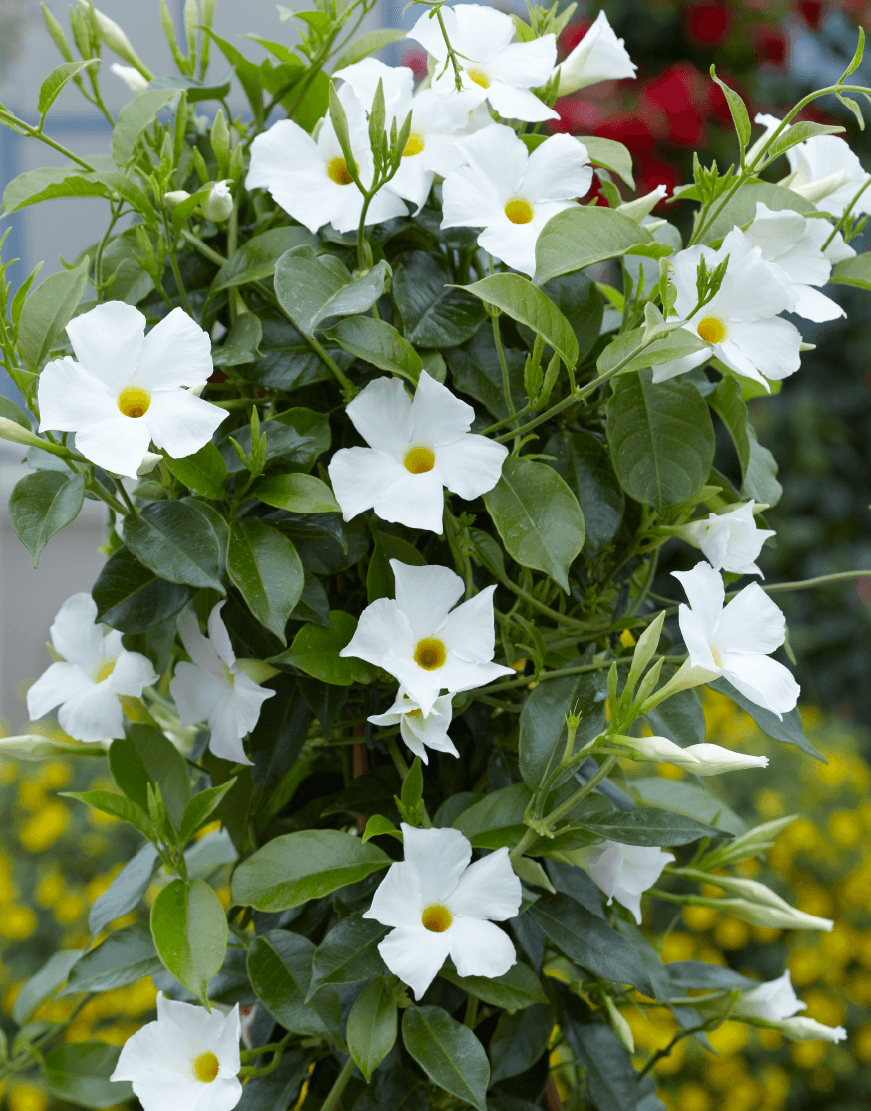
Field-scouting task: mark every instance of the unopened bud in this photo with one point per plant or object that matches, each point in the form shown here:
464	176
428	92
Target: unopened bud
171	200
759	906
619	1025
814	191
219	203
149	462
132	78
701	759
800	1029
643	206
115	38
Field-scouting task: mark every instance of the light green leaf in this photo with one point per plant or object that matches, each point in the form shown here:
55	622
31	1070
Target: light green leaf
44	984
372	1026
740	209
310	291
738	109
190	934
798	132
367	44
580	236
448	1052
297	493
54	84
34	747
853	271
204	472
125	891
686	798
760	478
265	566
611	155
200	807
50	183
133	119
146	756
527	304
177	542
48	310
378	343
727	402
675	345
41	504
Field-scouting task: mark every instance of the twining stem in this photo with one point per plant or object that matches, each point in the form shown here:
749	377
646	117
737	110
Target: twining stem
335	1093
397	758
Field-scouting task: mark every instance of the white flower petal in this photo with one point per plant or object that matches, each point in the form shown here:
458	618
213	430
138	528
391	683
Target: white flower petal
397	900
705	593
470	630
497	155
802	1029
425	595
176	352
71	398
558	170
764	681
438	417
696	639
362	476
471	465
513	244
751	624
180	422
438	858
813	305
526	65
518	104
771	1001
479	32
198	647
382	627
480	948
225	740
117	445
414	500
219	637
470	200
132	672
75	634
599	56
92	715
415	955
773	346
107	341
487	889
381	413
196	693
363	77
59	683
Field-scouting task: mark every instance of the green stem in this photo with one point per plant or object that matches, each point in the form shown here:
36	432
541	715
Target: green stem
573	800
203	248
397	758
846	213
803	584
35	133
471	1012
344	381
506	382
335	1093
131	508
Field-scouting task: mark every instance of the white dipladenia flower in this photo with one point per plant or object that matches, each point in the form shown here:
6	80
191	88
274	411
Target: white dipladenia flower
818	160
416	450
437	120
729	541
308	177
212	688
492	66
734	641
419	730
741	322
95	673
428	646
131	77
599	56
772	1001
188	1060
125	389
440	905
622	872
701	759
511	193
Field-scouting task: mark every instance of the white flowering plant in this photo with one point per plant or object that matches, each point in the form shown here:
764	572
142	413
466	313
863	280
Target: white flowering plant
394	396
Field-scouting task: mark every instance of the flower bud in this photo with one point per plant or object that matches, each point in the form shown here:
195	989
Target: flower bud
801	1029
814	191
131	77
171	200
113	36
701	759
219	203
619	1025
759	906
643	206
149	462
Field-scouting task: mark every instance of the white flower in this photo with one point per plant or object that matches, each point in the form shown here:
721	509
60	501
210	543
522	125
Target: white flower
740	322
419	730
97	670
622	872
442	906
308	177
729	541
188	1060
511	193
772	1001
599	56
436	122
701	759
493	67
131	77
801	1029
219	203
212	688
425	644
794	243
819	158
416	449
126	390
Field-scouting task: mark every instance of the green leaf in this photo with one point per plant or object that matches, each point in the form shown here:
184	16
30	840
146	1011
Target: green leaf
123	958
131	598
255	260
249	75
584	462
760	479
686	798
674	345
476	370
517	988
661	439
56	81
611	1079
578	237
47	311
580	302
196	91
543	722
119	806
315	651
738	110
798	133
44	984
34	747
590	941
177	542
527	304
538	517
125	891
204	472
609	154
200	807
497	818
349	953
648	826
279	967
311	292
789	731
372	1026
264	565
378	343
51	183
853	271
296	867
146	756
367	44
434	314
41	504
80	1073
190	934
519	1040
740	209
727	403
448	1052
297	493
13	412
133	119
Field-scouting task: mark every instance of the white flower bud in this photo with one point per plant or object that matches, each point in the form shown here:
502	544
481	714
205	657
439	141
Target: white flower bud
759	906
814	191
772	1001
219	203
149	462
131	77
801	1029
701	759
115	38
175	197
729	541
643	206
619	1025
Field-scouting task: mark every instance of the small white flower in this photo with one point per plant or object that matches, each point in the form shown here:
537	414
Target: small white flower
422	641
511	193
493	67
772	1001
212	688
219	203
188	1060
701	759
419	730
622	872
741	321
416	449
729	541
442	906
126	389
131	77
801	1029
437	119
97	670
599	56
819	158
308	177
734	641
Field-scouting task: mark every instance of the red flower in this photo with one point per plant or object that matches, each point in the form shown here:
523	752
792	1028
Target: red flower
709	21
811	11
770	43
674	104
651	171
415	59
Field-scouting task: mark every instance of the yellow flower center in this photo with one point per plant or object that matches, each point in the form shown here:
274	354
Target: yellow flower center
479	77
418	713
436	918
104	670
206	1068
430	654
416	143
337	171
518	211
419	460
134	402
711	330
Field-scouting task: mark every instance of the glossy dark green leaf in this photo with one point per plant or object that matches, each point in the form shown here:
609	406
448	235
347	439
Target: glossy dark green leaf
578	237
524	302
448	1052
297	493
515	989
41	504
372	1026
727	402
611	1079
204	472
264	565
581	303
379	343
123	958
80	1073
790	730
497	818
680	718
686	798
476	371
146	756
349	953
278	1089
519	1040
132	598
312	292
543	722
434	314
315	651
648	826
190	934
279	966
177	542
585	464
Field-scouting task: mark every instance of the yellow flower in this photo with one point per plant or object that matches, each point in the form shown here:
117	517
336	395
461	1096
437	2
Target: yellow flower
807	1055
27	1097
42	830
17	923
